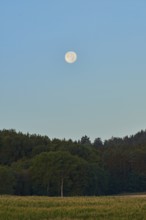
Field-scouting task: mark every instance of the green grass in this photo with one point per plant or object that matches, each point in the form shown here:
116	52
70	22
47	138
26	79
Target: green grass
43	208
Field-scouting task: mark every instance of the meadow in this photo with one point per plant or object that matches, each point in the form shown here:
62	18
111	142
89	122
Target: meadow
43	208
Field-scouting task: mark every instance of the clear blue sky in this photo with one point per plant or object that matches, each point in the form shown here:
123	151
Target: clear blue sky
103	94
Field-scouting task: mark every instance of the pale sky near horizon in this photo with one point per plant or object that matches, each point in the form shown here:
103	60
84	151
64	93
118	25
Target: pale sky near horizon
101	95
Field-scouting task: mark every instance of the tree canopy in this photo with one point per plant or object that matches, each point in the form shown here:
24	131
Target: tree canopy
37	165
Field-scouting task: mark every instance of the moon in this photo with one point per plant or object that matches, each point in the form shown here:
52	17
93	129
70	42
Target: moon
70	57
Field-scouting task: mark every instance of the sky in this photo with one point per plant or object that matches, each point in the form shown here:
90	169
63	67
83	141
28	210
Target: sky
101	95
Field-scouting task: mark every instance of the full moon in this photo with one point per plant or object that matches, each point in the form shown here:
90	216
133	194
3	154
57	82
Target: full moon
70	57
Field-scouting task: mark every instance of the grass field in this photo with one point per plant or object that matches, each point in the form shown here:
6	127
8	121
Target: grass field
43	208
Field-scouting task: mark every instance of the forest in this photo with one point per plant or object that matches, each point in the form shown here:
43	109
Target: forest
32	164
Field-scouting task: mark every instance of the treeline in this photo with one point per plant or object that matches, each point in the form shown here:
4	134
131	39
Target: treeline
37	165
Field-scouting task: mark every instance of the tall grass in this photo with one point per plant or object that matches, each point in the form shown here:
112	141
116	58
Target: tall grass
43	208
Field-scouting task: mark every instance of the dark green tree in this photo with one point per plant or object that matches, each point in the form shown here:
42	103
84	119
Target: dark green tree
98	142
7	180
85	140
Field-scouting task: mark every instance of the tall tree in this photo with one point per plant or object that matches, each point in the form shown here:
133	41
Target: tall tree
97	142
85	140
7	180
53	168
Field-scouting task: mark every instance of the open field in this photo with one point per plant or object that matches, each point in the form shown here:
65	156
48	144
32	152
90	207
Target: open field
43	208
